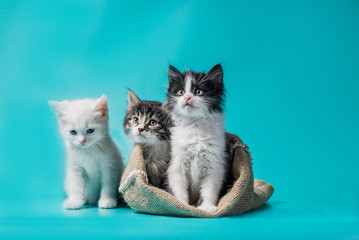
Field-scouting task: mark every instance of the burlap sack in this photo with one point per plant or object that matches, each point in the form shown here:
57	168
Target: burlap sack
247	193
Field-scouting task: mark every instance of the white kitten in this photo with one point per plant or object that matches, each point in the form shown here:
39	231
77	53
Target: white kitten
94	163
198	166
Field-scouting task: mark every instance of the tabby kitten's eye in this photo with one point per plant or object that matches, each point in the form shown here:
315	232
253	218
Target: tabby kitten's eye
153	122
180	92
90	130
73	132
135	120
199	92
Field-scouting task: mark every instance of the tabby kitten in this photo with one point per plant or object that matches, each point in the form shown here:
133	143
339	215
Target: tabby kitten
198	164
147	123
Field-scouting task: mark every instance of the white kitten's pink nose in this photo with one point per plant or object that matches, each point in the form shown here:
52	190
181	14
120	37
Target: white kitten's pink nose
187	98
82	141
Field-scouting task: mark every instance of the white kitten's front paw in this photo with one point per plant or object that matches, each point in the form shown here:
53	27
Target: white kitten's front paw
208	208
73	203
107	203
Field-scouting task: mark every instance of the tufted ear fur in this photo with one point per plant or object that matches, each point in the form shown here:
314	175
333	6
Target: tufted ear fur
215	74
101	106
164	106
132	100
59	107
174	74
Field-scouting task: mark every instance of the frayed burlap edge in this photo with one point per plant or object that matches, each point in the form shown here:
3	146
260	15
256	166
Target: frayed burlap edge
247	193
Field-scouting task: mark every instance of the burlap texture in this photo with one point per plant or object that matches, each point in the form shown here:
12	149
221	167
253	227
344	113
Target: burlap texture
247	193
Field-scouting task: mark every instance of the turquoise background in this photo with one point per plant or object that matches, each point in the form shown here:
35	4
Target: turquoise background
292	77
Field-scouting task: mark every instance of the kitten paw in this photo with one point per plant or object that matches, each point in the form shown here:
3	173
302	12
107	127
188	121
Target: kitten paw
73	203
107	203
208	208
182	199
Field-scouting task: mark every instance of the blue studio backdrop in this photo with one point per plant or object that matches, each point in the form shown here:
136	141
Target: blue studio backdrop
291	74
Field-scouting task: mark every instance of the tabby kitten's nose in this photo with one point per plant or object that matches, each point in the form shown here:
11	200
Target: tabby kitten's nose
140	129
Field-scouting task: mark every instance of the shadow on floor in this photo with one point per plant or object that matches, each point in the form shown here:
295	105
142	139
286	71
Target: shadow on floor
265	211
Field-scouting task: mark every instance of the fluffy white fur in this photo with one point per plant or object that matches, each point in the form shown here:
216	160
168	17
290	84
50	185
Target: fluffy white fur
197	167
94	163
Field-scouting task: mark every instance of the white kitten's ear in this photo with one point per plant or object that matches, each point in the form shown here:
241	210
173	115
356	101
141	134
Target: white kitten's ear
215	74
59	107
132	100
101	106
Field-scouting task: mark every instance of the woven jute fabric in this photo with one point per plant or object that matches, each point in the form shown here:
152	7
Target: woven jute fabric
246	193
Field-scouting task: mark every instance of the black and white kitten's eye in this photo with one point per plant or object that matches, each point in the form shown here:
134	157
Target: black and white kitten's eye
90	130
73	132
153	122
135	120
199	92
180	92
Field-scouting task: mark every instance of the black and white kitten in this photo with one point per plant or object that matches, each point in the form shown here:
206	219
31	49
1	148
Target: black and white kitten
147	123
197	169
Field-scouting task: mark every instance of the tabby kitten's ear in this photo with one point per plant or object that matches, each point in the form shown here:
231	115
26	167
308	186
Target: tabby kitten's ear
215	74
132	100
164	106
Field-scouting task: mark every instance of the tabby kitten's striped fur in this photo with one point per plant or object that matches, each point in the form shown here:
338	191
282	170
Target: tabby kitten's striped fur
147	123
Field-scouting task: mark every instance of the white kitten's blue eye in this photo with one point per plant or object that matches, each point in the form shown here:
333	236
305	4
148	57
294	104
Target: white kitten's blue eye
90	130
153	122
199	92
73	132
180	92
135	120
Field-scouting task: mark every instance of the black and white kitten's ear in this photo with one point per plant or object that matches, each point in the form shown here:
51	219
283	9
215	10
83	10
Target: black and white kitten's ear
215	74
174	74
101	106
59	107
132	100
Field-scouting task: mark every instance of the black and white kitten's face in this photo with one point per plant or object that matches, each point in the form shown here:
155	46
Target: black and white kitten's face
195	95
146	122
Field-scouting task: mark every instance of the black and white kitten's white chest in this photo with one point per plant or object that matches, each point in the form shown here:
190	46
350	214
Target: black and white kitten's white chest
201	146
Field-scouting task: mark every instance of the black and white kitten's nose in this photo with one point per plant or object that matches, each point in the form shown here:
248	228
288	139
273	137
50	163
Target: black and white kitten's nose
140	130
